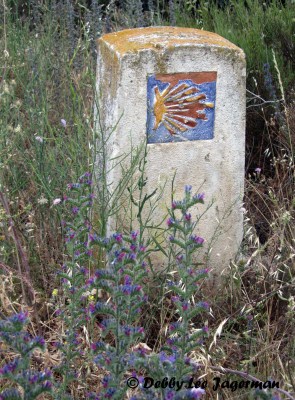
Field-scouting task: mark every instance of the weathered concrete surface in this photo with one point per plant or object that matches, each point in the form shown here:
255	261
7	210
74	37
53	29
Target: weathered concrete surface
215	166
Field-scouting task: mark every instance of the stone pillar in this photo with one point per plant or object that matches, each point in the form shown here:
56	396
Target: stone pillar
182	90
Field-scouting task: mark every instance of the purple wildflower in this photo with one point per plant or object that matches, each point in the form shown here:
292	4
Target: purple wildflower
203	304
173	326
109	393
99	345
127	330
200	197
169	395
170	341
47	385
170	222
187	360
121	256
39	340
127	280
133	247
196	393
185	306
197	239
187	217
10	367
33	378
75	210
92	237
105	381
91	280
20	317
73	185
118	237
165	358
134	235
203	271
128	289
63	122
132	256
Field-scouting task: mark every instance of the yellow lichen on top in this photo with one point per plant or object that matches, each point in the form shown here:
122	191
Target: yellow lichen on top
157	38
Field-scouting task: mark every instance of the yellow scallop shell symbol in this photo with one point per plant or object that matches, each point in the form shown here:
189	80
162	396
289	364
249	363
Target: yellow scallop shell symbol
179	107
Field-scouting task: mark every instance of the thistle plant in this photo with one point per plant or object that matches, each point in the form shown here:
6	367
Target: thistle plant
120	283
32	383
73	278
183	335
174	361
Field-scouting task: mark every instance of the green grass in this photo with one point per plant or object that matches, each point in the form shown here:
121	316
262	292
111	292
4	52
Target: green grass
41	86
255	26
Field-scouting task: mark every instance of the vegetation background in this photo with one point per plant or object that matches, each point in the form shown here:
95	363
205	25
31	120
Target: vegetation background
47	81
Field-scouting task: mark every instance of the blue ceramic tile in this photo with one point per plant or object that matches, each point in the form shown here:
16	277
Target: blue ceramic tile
180	107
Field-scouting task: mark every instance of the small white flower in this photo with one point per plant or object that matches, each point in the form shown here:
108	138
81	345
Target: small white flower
39	139
56	202
286	217
18	103
6	88
17	129
63	122
42	200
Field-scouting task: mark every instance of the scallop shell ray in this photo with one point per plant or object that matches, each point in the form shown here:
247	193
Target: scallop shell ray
179	107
